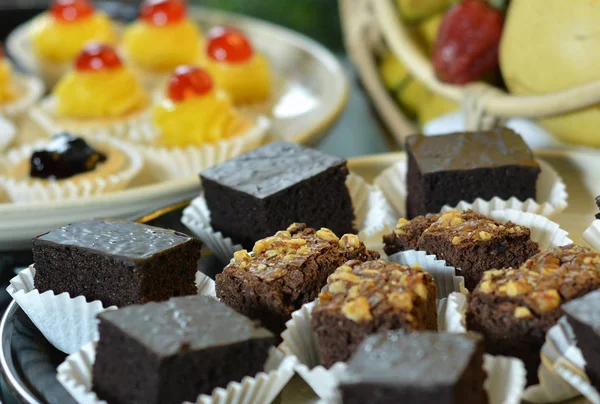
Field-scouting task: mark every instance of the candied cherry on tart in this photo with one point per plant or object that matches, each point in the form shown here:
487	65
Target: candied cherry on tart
163	12
71	10
227	44
95	56
188	81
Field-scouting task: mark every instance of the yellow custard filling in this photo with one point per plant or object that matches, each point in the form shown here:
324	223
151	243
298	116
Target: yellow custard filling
62	41
161	48
197	120
99	94
246	82
7	88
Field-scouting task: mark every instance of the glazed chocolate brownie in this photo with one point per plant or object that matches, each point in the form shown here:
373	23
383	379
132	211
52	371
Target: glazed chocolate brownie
584	317
119	263
467	240
173	351
444	170
258	193
514	308
286	271
365	298
421	367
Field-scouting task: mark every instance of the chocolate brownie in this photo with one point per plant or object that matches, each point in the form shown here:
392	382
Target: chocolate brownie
258	193
286	271
365	298
467	240
173	351
119	263
514	308
421	367
444	170
584	317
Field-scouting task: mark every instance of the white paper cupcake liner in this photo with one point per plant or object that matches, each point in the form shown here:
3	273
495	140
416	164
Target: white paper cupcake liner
505	382
75	374
68	322
44	115
8	133
591	235
374	218
29	89
29	191
181	162
551	193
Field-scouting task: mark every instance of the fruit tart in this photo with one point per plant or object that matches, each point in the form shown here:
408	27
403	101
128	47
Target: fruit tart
162	38
99	95
56	37
236	67
68	167
194	125
18	92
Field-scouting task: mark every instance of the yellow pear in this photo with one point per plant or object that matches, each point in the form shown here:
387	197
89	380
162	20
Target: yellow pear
392	71
435	106
552	45
412	10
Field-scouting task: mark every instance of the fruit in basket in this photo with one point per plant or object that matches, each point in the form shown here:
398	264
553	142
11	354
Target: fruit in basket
412	10
428	30
553	45
466	48
409	92
435	106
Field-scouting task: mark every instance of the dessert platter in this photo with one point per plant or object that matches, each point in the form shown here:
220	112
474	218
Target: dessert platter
133	99
461	267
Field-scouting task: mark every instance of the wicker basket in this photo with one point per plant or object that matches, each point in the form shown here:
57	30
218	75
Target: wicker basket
368	24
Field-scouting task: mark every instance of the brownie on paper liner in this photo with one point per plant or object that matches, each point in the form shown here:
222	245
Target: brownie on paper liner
69	322
29	190
505	381
591	235
551	193
374	218
75	374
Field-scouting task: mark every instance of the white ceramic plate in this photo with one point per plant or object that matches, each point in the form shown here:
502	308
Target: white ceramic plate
314	89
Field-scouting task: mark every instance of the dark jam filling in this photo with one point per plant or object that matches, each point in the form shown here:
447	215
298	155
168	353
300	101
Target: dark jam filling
64	157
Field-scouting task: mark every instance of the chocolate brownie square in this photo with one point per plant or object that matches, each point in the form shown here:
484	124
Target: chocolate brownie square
444	170
119	263
258	193
584	317
285	271
361	299
173	351
467	240
421	367
514	308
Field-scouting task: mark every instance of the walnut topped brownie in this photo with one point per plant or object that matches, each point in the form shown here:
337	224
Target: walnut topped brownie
444	170
514	308
363	298
467	240
285	271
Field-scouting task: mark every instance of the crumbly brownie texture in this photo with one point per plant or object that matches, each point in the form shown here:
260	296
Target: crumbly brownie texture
258	193
467	240
365	298
444	170
286	271
173	351
421	367
514	308
584	317
118	263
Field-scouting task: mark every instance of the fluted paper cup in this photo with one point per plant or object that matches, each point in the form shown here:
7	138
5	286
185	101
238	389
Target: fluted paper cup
551	193
75	374
168	163
591	235
29	91
29	190
68	322
374	217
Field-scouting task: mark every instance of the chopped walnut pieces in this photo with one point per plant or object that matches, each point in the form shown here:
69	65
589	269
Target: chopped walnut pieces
349	242
421	290
262	245
296	227
344	268
242	256
402	301
283	234
337	287
484	235
345	276
399	226
358	310
547	300
523	312
326	234
519	287
456	240
485	287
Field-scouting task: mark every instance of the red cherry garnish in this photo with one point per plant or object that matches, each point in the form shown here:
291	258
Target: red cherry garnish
228	45
163	12
71	10
95	56
187	82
